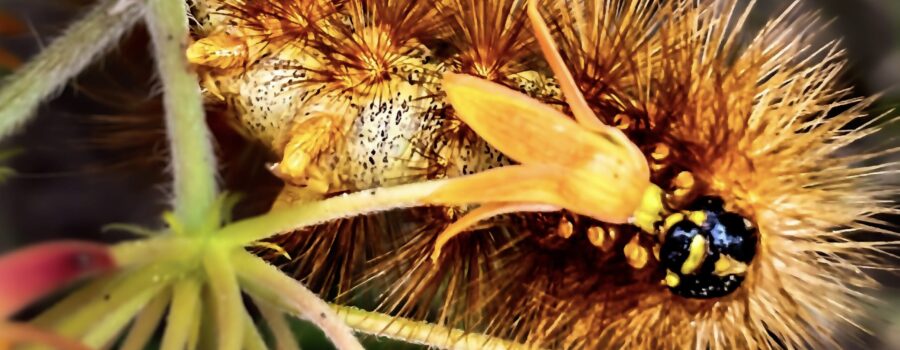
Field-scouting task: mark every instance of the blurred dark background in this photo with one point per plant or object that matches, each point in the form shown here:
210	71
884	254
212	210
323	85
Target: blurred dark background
68	183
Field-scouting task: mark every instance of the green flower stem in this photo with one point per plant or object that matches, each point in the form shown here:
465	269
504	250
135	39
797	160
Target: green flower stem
281	330
194	330
253	340
294	297
146	323
163	247
185	302
112	324
193	160
226	297
411	331
306	214
121	294
65	57
206	330
73	302
28	334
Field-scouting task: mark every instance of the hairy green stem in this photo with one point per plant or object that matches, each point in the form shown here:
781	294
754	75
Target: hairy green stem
111	305
194	327
146	323
206	330
185	301
281	330
416	332
110	325
155	249
226	296
294	297
74	301
193	160
65	57
306	214
28	334
253	340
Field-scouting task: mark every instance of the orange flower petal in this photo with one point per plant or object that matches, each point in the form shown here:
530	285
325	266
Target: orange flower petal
608	196
509	184
531	132
583	113
481	213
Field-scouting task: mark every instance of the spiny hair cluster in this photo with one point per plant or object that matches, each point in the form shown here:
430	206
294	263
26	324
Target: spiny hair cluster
759	120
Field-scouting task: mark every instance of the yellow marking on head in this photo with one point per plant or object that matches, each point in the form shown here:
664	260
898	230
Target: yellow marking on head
696	256
672	280
670	221
565	228
650	210
656	249
726	265
697	217
636	254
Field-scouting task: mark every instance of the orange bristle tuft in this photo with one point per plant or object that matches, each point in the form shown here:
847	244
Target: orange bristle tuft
377	41
760	122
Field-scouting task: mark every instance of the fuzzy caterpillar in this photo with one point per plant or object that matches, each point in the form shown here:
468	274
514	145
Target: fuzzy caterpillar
348	96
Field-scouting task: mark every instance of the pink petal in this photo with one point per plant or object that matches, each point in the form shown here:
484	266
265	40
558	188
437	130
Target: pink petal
29	273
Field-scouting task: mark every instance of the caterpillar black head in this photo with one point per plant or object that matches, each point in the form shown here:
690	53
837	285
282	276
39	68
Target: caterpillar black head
706	250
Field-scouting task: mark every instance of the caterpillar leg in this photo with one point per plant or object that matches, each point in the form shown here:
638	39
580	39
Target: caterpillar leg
309	140
219	50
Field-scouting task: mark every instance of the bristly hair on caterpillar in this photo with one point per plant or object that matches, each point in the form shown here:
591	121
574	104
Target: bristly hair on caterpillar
746	236
491	38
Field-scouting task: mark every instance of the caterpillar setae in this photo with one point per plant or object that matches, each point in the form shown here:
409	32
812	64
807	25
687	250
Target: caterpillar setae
646	175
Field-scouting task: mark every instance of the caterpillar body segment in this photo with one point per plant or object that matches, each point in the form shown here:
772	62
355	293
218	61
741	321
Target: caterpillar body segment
641	174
